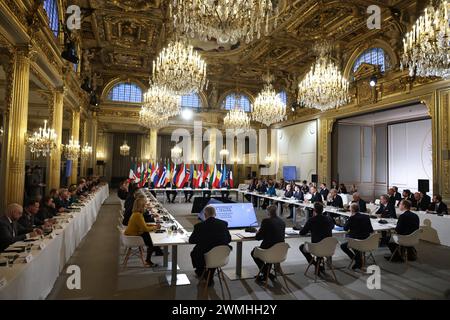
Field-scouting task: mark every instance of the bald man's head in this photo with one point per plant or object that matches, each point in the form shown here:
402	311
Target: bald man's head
14	211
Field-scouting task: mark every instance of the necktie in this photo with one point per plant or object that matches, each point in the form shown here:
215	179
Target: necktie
13	230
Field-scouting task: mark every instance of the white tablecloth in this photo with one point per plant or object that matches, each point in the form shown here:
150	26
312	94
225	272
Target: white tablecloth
35	280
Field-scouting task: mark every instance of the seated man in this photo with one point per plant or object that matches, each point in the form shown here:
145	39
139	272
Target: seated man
358	227
438	206
304	187
206	235
360	202
398	196
320	226
336	200
387	209
260	188
122	192
206	185
225	194
172	193
29	219
10	230
324	191
315	196
271	232
407	195
407	223
47	209
251	188
271	192
391	194
62	200
188	193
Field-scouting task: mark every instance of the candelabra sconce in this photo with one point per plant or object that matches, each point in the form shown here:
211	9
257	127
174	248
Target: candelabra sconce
86	152
268	159
41	142
72	150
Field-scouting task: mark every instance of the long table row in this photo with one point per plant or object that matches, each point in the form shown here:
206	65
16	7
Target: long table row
181	237
31	275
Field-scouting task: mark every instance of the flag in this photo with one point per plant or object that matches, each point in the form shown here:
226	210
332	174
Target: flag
224	175
169	174
175	174
155	175
162	179
195	178
143	175
230	179
187	176
181	176
217	177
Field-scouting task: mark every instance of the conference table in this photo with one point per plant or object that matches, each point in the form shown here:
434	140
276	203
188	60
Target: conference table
181	237
32	274
194	190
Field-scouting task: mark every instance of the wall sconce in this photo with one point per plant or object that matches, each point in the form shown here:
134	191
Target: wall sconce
268	159
100	155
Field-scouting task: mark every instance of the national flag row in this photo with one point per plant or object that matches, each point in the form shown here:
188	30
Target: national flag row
160	175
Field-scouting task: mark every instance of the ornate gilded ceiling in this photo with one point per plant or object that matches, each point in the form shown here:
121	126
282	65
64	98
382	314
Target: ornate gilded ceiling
123	37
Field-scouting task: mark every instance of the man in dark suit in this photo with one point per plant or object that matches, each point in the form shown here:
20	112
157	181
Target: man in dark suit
387	209
360	202
251	188
407	223
315	196
358	227
188	193
320	226
172	192
407	195
336	200
425	200
29	219
206	235
10	230
206	185
391	194
304	187
225	194
271	232
397	195
324	191
438	206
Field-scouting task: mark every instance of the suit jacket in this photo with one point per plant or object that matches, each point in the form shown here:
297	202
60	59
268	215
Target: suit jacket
424	203
324	193
359	226
29	221
362	205
336	202
289	194
10	232
440	209
320	226
262	188
205	185
46	212
387	211
398	196
271	232
392	200
305	189
61	203
299	195
209	234
316	198
122	194
252	187
407	223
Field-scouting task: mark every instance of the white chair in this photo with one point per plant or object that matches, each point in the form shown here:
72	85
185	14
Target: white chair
216	258
134	246
367	245
274	256
404	242
377	202
322	250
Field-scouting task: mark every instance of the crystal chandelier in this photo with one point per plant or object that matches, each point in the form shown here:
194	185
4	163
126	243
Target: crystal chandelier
86	151
43	142
323	87
124	149
151	120
176	154
268	107
224	20
162	101
72	150
426	48
180	68
237	118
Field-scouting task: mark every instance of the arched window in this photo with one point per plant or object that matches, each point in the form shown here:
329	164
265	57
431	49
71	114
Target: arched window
283	97
191	101
51	8
126	92
232	99
375	56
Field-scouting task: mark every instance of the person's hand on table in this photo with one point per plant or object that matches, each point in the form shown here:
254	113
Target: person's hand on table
36	232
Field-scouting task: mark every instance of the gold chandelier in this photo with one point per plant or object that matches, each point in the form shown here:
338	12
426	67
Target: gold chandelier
426	48
72	150
162	101
237	118
268	107
151	120
125	149
180	68
43	142
323	87
224	20
86	151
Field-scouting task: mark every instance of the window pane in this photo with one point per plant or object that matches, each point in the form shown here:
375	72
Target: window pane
375	56
191	101
283	97
126	92
231	101
51	9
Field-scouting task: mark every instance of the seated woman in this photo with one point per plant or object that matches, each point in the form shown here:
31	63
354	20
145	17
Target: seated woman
271	192
138	227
